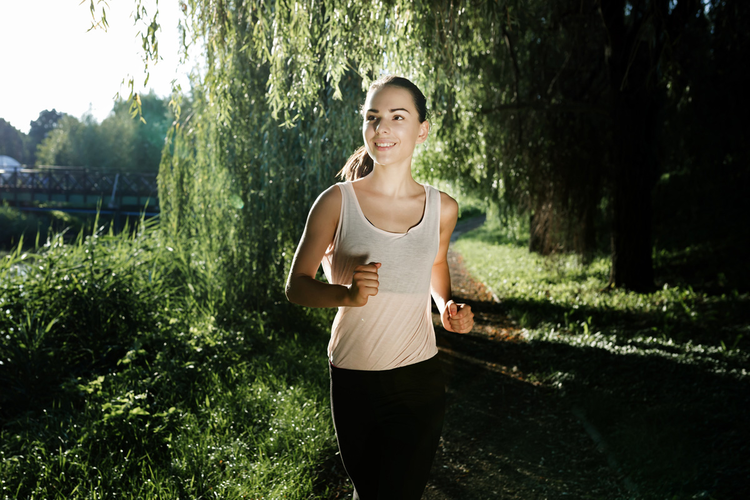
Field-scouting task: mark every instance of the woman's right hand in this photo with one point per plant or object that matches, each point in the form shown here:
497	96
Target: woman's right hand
364	284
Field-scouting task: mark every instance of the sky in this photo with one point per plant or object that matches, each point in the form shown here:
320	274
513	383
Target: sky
49	59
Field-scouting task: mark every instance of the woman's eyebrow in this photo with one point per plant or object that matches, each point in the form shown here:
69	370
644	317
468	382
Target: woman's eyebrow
390	110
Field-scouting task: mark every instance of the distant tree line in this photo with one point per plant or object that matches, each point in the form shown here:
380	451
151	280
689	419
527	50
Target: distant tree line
120	142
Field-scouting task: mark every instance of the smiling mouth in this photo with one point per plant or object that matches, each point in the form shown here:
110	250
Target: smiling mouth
384	144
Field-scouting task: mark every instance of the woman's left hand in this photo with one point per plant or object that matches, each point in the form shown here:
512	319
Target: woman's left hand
457	318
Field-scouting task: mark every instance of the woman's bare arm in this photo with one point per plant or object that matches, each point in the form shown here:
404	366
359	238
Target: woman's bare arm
301	286
455	317
441	279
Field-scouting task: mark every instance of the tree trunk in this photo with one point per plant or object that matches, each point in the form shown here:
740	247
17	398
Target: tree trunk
632	66
635	179
537	233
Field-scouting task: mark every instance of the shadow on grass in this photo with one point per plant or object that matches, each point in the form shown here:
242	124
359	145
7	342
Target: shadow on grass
675	428
505	437
706	323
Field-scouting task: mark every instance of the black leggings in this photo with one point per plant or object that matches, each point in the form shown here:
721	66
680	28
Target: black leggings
388	426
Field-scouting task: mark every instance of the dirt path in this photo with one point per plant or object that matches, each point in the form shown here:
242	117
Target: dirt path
506	437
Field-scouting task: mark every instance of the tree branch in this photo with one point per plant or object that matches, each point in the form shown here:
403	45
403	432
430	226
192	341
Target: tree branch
516	77
557	76
552	108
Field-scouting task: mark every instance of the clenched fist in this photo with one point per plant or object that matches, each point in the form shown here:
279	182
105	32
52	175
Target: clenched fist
457	318
364	284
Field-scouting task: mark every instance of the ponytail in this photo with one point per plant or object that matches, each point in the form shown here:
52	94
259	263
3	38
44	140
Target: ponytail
357	166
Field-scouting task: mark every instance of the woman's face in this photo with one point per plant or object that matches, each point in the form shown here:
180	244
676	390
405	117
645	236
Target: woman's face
391	127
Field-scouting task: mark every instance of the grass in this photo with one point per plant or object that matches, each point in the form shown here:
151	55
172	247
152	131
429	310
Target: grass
663	376
561	295
120	381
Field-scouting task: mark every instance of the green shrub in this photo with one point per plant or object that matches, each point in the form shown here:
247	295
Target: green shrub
120	382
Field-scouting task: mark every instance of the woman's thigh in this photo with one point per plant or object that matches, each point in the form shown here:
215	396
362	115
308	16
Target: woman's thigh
388	427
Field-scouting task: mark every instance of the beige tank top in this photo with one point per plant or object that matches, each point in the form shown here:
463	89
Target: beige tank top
395	327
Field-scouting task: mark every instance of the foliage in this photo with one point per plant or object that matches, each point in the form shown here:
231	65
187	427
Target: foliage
542	108
144	138
233	174
119	143
119	381
39	129
535	102
233	178
519	128
93	311
69	143
12	142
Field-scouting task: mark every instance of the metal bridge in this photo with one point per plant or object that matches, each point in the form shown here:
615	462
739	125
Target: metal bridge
71	189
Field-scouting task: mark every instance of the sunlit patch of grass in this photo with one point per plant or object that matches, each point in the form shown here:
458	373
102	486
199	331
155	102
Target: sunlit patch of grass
563	298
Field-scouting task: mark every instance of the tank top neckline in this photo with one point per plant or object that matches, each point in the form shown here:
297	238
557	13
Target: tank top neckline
391	233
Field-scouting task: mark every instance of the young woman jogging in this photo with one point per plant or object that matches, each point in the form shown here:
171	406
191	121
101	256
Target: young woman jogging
382	239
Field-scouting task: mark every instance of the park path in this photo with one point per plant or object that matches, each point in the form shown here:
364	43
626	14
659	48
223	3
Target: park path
506	436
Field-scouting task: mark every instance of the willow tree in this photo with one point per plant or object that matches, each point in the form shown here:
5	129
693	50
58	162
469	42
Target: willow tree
540	105
241	170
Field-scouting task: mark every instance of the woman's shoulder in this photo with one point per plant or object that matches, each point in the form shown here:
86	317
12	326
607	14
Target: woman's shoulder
448	206
447	203
327	207
331	197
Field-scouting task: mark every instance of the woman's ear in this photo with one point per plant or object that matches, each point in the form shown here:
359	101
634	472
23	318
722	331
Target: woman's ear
424	131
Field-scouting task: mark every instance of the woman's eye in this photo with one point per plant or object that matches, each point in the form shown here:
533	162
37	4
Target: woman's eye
370	118
398	117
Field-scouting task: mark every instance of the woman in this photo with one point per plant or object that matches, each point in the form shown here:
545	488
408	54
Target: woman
382	239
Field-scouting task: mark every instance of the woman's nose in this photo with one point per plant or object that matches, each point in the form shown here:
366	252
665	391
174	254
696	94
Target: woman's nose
380	126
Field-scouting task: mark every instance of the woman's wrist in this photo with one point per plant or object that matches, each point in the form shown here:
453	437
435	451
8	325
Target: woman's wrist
309	292
346	299
441	304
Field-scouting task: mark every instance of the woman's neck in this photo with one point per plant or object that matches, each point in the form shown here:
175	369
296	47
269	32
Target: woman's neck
392	180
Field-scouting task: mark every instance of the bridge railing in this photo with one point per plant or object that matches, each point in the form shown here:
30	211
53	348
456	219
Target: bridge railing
79	187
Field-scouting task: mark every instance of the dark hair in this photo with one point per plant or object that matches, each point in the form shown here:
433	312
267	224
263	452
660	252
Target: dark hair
360	164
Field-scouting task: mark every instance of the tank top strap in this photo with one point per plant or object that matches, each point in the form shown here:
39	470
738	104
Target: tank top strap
348	197
434	198
348	214
432	209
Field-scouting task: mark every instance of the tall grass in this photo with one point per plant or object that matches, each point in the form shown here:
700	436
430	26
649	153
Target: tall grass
119	381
